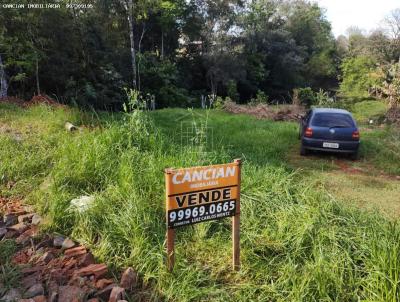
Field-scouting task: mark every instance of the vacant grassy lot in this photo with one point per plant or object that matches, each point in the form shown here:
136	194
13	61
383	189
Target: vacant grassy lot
301	239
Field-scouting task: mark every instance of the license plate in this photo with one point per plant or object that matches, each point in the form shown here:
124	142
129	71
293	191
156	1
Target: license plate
330	145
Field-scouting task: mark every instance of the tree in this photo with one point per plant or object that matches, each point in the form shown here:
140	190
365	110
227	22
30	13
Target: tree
128	4
357	76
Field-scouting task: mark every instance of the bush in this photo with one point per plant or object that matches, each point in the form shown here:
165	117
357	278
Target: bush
261	98
306	96
323	99
357	75
231	91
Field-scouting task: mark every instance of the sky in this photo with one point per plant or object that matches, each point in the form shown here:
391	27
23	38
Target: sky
365	14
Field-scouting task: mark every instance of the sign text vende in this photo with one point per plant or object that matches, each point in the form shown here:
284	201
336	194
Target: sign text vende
192	192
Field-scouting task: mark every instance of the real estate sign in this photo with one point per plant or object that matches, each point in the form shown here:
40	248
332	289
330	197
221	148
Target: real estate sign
199	194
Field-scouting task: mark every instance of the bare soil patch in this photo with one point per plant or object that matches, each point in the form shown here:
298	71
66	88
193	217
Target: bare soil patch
271	112
35	100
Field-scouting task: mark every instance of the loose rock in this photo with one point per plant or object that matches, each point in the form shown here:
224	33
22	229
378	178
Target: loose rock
35	290
104	294
10	234
117	293
87	259
67	244
102	283
97	270
10	219
36	219
40	298
11	295
52	289
82	203
129	279
19	227
3	231
29	281
75	252
25	217
58	241
70	293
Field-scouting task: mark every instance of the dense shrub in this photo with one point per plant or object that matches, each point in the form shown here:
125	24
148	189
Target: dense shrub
357	77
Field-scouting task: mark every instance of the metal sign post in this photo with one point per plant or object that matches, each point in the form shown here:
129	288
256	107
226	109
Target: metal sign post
236	225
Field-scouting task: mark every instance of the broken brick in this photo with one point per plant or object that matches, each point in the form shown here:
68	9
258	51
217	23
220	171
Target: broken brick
97	270
102	283
25	217
86	259
75	251
117	293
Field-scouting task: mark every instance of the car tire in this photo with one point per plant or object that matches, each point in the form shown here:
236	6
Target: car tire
303	151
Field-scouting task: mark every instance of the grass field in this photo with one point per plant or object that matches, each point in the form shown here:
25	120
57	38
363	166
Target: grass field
303	239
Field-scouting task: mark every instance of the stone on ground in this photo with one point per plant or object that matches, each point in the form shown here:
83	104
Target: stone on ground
11	295
117	293
34	290
129	279
36	219
67	244
58	241
82	203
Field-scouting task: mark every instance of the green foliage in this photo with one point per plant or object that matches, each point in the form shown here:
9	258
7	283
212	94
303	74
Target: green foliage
179	51
322	99
231	91
306	96
9	273
160	78
219	102
261	98
389	83
7	249
356	75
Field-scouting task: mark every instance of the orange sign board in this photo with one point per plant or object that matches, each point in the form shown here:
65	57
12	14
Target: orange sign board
200	194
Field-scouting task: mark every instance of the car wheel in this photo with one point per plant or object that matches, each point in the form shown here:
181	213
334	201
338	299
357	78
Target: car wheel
303	151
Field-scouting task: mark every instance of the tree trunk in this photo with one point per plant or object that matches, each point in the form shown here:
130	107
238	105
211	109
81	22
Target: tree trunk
3	81
129	10
140	51
162	44
37	75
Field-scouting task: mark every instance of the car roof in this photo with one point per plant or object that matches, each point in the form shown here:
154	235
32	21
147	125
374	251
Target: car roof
330	110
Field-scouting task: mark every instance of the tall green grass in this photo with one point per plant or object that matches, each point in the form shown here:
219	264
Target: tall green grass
298	243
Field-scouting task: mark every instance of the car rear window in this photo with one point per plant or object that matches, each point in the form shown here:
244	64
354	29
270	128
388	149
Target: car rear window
332	120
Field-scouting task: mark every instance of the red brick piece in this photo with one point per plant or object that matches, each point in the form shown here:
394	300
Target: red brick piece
102	283
75	251
97	270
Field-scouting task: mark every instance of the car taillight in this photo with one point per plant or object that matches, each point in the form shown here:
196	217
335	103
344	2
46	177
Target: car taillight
308	132
356	134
